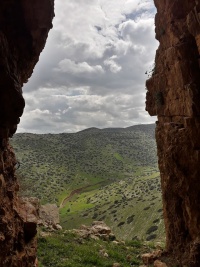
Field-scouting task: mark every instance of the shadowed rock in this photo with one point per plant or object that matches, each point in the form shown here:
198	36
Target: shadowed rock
176	78
24	26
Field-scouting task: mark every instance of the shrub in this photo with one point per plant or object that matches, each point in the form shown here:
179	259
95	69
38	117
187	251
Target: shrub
95	216
130	219
150	237
120	224
152	229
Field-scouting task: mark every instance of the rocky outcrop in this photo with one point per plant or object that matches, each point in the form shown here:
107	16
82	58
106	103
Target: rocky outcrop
174	96
24	27
149	258
98	230
49	217
28	211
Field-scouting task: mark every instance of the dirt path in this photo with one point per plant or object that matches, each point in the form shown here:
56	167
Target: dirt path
74	192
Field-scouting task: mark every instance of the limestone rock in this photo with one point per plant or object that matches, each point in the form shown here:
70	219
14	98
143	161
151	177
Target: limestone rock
58	227
149	258
98	230
158	263
29	209
103	253
116	242
100	227
49	216
29	212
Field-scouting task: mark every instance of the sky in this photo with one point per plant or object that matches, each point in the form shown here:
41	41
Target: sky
92	70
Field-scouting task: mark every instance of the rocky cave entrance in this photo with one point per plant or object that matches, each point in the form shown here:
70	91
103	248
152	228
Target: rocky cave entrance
23	34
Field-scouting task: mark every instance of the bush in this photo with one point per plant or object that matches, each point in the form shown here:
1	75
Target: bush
150	237
120	224
152	229
130	219
95	216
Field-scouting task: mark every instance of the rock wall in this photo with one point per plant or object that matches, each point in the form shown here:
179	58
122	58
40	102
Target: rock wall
24	26
173	94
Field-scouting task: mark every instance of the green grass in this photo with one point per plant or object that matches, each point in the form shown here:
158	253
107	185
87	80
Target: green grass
64	249
118	156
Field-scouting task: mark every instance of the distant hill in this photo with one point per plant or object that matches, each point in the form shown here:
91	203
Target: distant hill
91	130
148	129
109	174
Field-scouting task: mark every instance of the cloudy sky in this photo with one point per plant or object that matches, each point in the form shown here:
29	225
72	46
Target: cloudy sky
92	70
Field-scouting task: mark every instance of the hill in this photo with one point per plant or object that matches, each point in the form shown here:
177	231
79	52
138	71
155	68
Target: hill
105	174
67	248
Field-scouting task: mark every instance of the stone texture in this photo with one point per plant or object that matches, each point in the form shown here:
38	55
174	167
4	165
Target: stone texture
24	27
149	258
98	230
49	216
158	263
29	212
174	96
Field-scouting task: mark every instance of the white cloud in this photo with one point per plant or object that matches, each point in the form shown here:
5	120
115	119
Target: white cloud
92	70
38	111
69	66
113	66
138	32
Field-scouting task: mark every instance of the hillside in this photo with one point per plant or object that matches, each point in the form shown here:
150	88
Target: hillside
67	249
109	174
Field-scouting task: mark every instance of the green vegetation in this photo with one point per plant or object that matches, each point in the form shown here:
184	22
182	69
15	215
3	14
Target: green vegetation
130	206
64	249
108	175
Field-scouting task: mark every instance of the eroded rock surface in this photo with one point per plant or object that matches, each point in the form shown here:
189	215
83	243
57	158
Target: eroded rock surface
24	26
49	216
98	230
174	96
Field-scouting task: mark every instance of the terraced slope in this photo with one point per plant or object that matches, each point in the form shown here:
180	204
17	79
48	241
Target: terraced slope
108	174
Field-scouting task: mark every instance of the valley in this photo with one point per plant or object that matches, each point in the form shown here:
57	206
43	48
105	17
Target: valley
108	174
